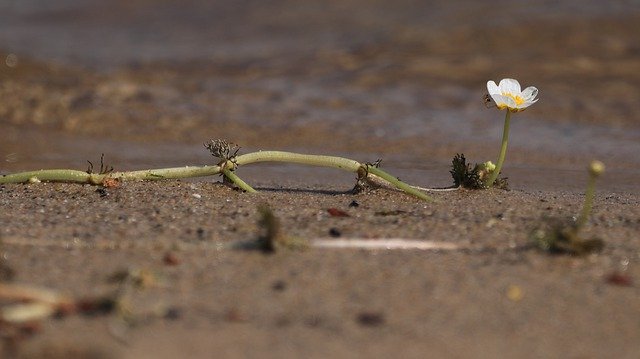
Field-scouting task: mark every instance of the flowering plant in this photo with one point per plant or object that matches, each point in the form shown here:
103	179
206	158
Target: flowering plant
507	95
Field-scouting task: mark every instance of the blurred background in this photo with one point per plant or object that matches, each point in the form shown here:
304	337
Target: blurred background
147	82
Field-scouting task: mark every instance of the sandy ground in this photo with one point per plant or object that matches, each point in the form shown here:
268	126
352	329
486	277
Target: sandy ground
402	83
495	297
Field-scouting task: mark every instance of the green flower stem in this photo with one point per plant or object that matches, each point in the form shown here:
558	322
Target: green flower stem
312	160
588	202
503	151
238	182
399	184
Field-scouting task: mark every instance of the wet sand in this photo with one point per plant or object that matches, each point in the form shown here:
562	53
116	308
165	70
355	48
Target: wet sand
367	81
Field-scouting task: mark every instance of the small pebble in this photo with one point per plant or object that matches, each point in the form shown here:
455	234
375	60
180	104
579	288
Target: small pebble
170	259
173	313
619	279
370	319
279	285
102	191
515	293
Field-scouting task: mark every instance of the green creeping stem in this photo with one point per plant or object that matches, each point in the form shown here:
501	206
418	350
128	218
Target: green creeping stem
75	176
167	173
399	184
312	160
328	161
49	175
62	175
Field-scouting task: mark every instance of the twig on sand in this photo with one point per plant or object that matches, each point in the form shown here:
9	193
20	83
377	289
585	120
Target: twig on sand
34	303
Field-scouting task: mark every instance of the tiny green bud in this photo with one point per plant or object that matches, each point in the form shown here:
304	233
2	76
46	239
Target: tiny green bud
596	168
489	166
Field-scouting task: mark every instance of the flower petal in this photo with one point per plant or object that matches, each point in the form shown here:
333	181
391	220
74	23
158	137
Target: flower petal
510	86
497	98
526	104
503	101
529	93
492	88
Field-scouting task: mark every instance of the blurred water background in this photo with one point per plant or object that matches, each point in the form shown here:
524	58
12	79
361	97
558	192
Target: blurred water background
146	82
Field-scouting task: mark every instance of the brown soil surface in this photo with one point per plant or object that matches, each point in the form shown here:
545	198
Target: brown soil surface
400	81
325	302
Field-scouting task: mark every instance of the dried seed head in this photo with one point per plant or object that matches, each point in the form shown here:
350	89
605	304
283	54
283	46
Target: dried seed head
222	149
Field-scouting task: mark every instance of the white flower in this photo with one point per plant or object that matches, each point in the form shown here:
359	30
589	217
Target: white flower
508	95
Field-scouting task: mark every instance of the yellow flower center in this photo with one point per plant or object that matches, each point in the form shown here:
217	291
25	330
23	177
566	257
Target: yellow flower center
519	100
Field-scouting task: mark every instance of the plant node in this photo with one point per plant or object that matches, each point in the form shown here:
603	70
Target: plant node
364	182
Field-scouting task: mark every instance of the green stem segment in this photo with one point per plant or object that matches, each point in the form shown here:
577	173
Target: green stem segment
290	157
238	181
48	175
503	151
588	202
399	184
75	176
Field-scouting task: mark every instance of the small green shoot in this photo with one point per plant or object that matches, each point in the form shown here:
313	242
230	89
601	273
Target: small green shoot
271	237
559	237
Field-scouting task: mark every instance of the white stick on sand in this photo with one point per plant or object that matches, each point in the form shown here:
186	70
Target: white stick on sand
386	243
328	243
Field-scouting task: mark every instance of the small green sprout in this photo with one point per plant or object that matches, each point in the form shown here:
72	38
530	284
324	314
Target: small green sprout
560	237
271	237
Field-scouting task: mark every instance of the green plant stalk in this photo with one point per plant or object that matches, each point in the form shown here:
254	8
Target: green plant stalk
588	203
328	161
503	150
399	184
238	181
75	176
290	157
59	175
65	175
